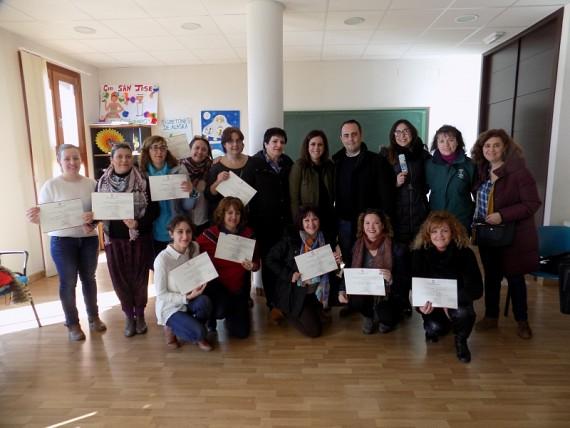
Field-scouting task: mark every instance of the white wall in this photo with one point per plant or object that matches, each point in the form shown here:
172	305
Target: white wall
449	87
557	204
16	180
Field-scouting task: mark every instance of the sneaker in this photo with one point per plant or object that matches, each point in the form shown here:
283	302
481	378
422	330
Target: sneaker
75	333
276	316
95	324
384	328
140	325
487	324
130	327
462	350
204	345
367	325
524	330
170	338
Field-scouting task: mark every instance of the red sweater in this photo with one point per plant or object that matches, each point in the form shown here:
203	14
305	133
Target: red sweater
232	274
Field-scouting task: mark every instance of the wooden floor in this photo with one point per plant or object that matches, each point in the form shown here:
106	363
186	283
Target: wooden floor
277	378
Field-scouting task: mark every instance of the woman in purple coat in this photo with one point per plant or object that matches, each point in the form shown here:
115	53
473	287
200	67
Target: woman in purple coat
506	193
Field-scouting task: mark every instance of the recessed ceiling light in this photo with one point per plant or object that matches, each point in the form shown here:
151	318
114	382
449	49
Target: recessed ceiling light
190	26
462	19
84	30
355	20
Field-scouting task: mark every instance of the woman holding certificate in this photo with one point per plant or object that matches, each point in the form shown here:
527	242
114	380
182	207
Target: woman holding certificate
301	301
373	250
441	250
156	160
128	242
183	315
234	161
507	198
74	250
230	291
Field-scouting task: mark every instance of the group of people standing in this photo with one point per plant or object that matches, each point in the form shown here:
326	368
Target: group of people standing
405	211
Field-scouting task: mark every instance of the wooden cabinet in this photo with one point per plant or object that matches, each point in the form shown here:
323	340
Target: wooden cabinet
103	134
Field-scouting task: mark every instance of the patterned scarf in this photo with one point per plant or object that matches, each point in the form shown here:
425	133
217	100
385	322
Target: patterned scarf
197	171
321	282
132	182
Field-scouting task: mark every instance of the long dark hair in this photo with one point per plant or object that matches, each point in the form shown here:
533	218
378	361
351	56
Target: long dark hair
416	143
305	156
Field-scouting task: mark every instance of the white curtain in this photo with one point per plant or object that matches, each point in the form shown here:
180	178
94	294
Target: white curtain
41	130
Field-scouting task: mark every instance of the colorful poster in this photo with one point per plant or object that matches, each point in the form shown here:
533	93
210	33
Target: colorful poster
135	103
213	124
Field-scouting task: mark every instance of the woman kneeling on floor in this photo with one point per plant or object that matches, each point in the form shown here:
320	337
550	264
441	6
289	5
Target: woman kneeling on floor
441	251
183	315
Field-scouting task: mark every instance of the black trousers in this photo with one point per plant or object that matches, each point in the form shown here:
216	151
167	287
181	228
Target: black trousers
308	322
402	275
492	265
234	308
384	310
461	322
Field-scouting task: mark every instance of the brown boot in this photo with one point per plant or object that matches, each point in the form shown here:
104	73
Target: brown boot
523	330
276	315
170	337
487	324
75	333
95	324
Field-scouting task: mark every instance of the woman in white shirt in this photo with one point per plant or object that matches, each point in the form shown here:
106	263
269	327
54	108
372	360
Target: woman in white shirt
183	316
74	251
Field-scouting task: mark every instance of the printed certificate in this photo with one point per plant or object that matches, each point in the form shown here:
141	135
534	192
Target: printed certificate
113	206
165	187
316	262
61	215
178	146
235	186
369	282
234	248
442	293
192	274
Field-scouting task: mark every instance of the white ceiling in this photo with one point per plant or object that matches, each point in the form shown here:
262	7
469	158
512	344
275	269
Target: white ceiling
148	32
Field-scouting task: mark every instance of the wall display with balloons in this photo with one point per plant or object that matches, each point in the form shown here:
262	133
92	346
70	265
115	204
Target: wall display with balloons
213	124
134	103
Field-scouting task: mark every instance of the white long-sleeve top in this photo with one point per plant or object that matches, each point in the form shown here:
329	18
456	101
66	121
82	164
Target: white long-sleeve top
168	299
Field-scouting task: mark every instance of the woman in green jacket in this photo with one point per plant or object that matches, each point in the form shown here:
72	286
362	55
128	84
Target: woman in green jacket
450	175
311	181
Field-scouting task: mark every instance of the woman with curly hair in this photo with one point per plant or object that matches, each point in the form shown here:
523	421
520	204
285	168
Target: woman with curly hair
506	194
441	250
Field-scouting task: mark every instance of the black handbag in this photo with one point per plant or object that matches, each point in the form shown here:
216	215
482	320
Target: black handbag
494	235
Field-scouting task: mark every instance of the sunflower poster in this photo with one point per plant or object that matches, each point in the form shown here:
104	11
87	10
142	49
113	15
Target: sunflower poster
127	103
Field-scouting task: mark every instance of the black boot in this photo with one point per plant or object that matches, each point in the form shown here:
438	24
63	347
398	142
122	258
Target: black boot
462	350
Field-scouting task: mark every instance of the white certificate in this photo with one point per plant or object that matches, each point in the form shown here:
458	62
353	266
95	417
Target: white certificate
178	146
61	215
192	274
234	248
442	293
235	186
113	206
164	187
316	262
369	282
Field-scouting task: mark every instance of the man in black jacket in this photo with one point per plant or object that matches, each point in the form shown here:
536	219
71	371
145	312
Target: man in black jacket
363	180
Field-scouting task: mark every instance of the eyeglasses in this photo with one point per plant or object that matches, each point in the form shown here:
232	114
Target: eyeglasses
400	132
158	148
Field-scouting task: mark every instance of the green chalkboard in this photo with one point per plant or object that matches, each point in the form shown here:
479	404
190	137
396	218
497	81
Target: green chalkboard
376	126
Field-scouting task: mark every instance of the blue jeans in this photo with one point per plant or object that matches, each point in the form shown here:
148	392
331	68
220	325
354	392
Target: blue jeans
72	256
190	325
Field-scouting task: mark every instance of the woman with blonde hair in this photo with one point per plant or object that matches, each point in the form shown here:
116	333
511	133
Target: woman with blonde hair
441	250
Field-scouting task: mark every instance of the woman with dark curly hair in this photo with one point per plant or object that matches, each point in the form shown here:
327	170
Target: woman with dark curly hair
441	250
407	154
506	194
450	175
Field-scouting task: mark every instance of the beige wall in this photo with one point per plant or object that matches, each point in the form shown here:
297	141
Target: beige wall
16	181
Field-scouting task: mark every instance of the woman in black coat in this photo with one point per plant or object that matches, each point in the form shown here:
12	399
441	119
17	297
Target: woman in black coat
441	251
407	155
301	301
